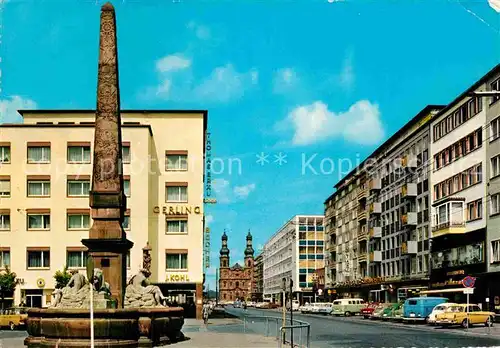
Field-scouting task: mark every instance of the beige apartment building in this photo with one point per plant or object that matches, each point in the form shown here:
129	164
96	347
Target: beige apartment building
45	176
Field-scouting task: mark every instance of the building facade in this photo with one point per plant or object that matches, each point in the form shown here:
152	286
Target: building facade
464	187
294	252
259	279
378	218
236	282
45	175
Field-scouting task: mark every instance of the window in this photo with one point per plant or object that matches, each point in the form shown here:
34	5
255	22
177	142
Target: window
38	188
177	226
4	221
78	188
495	129
475	210
76	259
4	154
176	160
128	259
126	153
39	221
176	194
38	258
4	258
79	154
78	221
126	186
5	187
38	154
495	166
126	221
495	86
495	251
176	261
495	204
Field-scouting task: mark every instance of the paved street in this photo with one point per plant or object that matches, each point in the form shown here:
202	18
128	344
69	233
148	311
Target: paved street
328	331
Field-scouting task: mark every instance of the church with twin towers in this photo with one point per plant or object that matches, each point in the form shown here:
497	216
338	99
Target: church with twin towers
237	282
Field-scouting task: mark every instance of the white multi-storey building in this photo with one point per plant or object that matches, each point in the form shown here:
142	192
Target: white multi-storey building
294	252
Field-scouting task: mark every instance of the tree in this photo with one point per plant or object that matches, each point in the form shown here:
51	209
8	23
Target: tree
62	278
8	281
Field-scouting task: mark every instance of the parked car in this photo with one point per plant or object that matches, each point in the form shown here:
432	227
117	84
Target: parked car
379	310
458	315
323	308
348	306
398	313
440	308
13	317
306	308
419	308
367	311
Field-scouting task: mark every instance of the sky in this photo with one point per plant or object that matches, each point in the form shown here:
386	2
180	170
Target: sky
298	92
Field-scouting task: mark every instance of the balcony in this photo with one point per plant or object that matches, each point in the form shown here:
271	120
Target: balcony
409	248
362	214
362	193
375	184
449	217
362	257
376	256
362	236
446	228
409	190
375	208
409	161
376	232
409	219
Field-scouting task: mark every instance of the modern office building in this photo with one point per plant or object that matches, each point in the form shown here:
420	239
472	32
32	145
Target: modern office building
45	172
294	252
464	149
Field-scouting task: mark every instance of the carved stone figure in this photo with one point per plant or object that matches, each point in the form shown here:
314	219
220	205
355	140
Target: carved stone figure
99	284
76	295
139	293
146	258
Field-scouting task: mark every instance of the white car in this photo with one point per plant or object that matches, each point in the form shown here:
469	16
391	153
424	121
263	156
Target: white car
440	308
306	308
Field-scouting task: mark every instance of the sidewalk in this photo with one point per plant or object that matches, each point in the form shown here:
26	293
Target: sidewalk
226	340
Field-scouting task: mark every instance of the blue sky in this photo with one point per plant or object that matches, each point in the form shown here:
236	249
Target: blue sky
308	78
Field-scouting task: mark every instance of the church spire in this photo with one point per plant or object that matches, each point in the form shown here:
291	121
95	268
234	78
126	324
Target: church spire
224	251
249	249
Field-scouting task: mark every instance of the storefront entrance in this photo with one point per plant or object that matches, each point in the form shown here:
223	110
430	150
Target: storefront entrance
181	295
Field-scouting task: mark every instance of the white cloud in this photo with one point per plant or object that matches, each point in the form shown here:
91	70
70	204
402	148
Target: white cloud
209	219
202	32
172	62
284	79
313	123
225	194
225	83
9	107
495	4
243	191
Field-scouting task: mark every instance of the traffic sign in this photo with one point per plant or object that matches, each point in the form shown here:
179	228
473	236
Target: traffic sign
468	282
469	291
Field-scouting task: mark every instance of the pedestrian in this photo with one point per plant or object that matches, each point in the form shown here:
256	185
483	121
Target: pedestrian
205	313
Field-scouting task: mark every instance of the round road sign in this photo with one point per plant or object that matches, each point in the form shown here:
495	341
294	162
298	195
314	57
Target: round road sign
468	282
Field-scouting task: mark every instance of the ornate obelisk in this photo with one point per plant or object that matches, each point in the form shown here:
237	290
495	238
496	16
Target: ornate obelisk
107	242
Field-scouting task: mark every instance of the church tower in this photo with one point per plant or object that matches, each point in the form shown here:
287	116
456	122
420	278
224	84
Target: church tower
224	252
249	251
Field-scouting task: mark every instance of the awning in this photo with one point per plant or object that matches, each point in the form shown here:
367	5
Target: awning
439	291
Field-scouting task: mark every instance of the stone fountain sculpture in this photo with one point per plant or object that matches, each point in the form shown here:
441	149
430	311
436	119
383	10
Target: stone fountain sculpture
126	316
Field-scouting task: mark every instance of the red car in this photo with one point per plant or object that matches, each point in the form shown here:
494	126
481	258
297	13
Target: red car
368	310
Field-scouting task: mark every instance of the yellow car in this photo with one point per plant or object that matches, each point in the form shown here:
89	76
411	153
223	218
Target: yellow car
457	315
13	317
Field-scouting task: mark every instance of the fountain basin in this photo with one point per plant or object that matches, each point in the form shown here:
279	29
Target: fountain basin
130	327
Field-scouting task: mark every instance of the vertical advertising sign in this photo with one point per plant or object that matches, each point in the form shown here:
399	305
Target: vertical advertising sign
206	247
208	162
